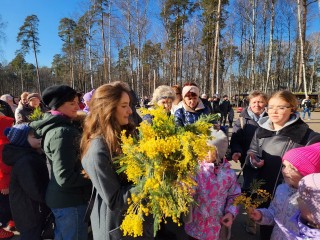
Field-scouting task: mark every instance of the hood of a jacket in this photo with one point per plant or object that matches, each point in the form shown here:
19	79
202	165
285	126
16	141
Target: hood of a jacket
266	123
49	122
11	153
296	129
5	122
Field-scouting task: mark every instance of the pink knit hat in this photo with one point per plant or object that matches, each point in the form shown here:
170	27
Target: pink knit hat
309	192
305	159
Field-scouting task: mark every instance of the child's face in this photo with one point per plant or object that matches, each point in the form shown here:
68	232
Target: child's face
290	174
211	157
34	142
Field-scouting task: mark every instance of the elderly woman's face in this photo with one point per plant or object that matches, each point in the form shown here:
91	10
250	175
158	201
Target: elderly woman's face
257	105
191	101
166	103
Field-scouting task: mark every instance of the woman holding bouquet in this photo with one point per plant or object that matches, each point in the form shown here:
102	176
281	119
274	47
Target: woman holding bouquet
109	115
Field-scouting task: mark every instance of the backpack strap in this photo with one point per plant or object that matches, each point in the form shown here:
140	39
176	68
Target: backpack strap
241	122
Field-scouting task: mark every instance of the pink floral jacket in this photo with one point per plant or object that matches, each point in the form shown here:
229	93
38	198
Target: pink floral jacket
215	193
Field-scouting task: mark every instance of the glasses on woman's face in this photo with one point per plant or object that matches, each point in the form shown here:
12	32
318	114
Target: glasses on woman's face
279	109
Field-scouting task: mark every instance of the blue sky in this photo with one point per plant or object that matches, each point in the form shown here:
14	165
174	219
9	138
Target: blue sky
49	12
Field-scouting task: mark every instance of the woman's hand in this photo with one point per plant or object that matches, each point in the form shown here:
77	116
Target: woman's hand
255	214
227	220
256	163
236	156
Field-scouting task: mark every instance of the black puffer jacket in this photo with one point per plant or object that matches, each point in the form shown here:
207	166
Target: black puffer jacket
242	135
271	145
28	183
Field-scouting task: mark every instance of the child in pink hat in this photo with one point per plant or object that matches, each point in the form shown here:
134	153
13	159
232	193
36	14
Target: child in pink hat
297	163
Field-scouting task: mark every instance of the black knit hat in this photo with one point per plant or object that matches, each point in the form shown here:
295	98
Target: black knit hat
55	96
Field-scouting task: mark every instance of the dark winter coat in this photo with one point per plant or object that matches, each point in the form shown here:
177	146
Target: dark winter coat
242	136
61	143
207	103
225	106
28	183
184	116
111	194
215	106
271	145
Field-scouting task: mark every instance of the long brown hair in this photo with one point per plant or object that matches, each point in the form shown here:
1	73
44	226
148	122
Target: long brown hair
101	119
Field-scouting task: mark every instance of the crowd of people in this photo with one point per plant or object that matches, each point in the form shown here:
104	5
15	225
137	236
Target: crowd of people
57	151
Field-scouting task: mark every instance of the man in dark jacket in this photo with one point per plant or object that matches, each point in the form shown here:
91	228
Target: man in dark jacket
225	107
215	104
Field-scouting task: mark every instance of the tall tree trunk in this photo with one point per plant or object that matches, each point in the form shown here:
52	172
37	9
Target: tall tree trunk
270	45
215	49
21	78
104	47
181	50
289	65
109	43
37	66
130	48
253	49
302	63
176	52
90	57
311	77
265	9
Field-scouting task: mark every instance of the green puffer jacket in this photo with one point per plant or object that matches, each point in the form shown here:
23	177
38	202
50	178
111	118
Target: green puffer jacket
61	143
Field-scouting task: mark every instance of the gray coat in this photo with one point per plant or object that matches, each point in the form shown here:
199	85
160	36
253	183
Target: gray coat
111	194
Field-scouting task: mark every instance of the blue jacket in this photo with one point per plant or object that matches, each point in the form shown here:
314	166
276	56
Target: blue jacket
183	116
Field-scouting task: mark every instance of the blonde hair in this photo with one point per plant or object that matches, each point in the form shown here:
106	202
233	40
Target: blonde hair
163	91
287	96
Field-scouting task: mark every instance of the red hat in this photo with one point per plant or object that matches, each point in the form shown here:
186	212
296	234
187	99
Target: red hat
305	159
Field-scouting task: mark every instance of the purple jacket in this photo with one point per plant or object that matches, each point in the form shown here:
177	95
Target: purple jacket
303	231
279	213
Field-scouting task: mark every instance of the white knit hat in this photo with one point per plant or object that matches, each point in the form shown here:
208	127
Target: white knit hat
220	141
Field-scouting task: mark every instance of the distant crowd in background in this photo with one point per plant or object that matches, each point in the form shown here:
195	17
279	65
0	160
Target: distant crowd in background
57	151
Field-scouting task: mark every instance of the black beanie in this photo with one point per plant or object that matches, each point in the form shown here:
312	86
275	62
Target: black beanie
55	96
